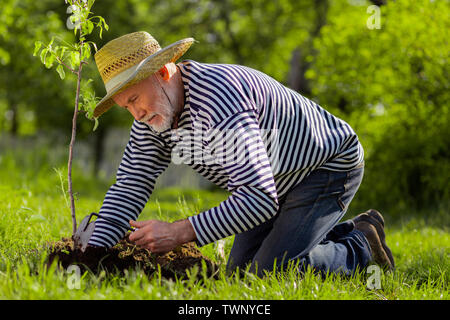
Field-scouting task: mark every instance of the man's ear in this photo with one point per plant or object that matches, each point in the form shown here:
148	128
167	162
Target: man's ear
167	71
164	72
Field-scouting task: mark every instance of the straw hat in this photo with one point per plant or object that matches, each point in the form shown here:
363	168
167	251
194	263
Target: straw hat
131	58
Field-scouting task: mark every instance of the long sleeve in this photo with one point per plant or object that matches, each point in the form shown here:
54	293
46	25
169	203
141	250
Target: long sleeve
144	159
236	145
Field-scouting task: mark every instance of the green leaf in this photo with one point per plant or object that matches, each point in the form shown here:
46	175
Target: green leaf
61	72
74	59
96	124
95	46
43	55
90	26
85	51
37	46
62	51
101	21
49	60
90	4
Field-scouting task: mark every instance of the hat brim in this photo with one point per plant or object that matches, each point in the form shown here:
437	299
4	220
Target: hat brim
143	69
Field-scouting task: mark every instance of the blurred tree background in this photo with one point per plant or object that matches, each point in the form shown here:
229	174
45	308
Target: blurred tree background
389	80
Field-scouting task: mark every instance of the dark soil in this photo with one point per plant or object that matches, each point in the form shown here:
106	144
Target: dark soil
125	255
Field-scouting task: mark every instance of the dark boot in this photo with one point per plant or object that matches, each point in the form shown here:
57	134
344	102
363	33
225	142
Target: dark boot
371	224
380	229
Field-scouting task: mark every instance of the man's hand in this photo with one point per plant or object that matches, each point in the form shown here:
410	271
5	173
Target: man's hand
159	236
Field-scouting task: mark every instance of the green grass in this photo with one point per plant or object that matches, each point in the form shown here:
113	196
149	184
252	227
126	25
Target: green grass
33	210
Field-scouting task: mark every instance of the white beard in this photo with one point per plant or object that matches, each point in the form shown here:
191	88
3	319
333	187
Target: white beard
167	120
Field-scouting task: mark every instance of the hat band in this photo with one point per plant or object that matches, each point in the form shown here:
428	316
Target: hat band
120	78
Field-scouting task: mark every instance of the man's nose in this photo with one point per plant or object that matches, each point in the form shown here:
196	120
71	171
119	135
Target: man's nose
137	113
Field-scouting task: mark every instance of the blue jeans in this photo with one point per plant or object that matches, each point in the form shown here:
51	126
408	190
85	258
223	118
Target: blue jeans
307	229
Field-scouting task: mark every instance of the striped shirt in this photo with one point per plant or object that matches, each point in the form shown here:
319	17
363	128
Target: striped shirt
243	131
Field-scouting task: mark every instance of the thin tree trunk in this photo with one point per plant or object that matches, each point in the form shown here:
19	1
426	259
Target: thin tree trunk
299	64
296	75
13	110
14	120
72	142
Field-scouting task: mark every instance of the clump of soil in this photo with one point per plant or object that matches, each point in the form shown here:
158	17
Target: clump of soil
125	255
